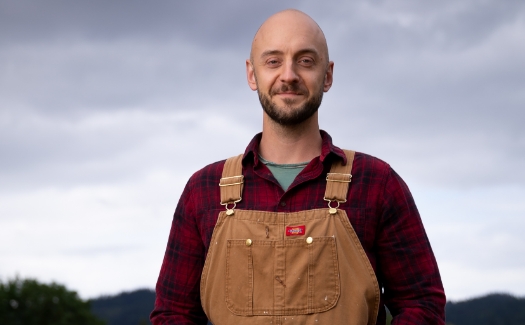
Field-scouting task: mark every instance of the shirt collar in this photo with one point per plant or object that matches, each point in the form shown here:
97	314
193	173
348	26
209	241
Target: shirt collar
327	148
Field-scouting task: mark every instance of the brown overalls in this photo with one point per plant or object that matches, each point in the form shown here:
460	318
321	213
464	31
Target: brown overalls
305	267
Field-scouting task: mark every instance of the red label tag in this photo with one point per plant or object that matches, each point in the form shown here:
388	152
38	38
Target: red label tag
295	230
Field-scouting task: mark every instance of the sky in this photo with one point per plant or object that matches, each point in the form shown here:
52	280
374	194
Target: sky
108	107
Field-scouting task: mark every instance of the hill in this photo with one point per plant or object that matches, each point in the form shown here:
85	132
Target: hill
133	308
493	309
127	308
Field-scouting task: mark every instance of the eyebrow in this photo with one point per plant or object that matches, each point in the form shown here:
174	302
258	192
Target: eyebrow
278	52
270	52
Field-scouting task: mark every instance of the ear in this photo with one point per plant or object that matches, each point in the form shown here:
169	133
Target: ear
250	75
329	76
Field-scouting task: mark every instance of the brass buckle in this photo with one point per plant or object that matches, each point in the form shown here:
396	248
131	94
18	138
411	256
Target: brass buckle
238	183
333	210
336	180
230	212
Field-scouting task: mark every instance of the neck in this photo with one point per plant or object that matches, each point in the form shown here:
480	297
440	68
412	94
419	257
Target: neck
290	144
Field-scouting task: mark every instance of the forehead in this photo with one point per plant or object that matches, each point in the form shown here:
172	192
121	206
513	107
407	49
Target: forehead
289	35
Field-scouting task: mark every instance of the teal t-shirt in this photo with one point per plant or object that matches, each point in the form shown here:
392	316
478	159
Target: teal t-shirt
284	173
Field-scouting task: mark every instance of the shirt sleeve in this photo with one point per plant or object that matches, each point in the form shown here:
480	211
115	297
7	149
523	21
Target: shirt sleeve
178	286
413	291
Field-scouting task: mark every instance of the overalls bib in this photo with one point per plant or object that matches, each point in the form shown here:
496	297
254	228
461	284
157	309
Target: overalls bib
305	267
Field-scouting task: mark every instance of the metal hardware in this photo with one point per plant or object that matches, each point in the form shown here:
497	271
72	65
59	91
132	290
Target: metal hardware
229	211
339	181
231	184
238	183
331	209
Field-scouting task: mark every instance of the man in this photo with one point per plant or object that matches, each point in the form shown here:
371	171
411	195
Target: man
296	230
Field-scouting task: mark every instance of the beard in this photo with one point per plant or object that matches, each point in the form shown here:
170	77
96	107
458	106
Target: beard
288	115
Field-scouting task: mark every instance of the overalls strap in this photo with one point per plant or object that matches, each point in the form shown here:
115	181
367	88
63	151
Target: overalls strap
338	179
303	267
232	181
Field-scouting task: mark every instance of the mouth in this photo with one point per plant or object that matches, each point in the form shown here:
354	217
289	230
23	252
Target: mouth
288	90
288	94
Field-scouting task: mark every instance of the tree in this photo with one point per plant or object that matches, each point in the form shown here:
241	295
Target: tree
27	302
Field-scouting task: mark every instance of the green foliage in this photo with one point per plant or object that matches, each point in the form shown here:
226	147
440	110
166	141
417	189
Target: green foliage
28	302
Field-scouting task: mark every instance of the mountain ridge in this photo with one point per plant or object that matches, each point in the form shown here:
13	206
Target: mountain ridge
134	307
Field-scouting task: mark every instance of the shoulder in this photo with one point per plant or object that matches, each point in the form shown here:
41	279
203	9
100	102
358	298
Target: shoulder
376	172
202	189
207	176
369	165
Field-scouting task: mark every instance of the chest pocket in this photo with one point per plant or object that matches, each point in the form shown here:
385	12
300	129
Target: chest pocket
283	277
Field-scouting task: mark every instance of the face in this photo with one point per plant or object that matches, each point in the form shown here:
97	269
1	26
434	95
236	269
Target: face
292	110
289	69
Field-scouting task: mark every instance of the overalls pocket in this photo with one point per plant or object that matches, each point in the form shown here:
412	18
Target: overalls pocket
286	277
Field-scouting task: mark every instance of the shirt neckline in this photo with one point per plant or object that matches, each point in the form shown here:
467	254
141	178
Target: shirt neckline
284	166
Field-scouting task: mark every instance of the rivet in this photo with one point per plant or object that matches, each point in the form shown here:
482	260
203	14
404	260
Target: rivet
332	210
309	240
230	212
248	242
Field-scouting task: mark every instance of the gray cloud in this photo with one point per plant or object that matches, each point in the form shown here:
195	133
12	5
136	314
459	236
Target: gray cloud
121	101
210	23
418	79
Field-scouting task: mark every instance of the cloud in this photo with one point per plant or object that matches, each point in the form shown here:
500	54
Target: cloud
211	23
426	89
72	77
106	109
113	146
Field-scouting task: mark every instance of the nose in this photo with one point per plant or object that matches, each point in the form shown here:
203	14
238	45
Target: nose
288	74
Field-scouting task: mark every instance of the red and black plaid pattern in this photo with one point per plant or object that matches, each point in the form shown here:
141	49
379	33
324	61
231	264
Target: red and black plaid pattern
380	208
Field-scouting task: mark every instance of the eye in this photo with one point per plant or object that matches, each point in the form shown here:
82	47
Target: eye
273	62
306	61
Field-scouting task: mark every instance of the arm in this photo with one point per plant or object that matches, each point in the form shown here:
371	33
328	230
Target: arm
178	296
413	291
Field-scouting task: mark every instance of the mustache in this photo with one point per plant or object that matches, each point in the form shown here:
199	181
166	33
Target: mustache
289	87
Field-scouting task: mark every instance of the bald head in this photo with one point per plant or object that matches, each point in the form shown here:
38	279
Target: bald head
289	26
289	68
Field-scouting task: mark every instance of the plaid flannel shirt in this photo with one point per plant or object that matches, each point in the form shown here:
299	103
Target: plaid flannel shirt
379	206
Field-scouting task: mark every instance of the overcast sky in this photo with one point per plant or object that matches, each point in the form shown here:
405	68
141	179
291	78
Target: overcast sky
108	107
